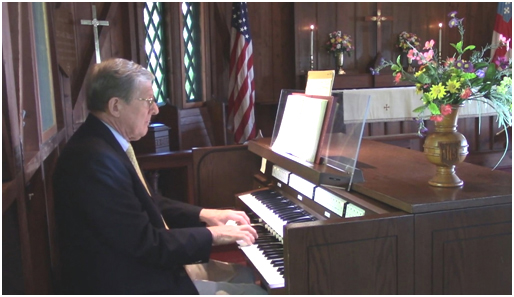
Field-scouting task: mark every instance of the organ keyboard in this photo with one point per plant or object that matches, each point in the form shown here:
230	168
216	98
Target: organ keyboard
289	200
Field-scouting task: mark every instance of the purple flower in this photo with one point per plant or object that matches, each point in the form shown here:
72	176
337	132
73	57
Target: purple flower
459	64
373	71
452	14
480	73
454	22
502	62
468	67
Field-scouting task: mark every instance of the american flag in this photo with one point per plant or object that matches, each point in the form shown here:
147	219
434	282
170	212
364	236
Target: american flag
241	85
502	26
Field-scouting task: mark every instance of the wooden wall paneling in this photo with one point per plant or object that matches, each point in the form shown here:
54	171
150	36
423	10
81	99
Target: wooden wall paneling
11	164
261	32
221	172
13	201
445	265
366	45
345	20
326	22
219	34
53	249
387	29
174	51
195	128
305	15
282	59
37	219
137	32
12	25
12	273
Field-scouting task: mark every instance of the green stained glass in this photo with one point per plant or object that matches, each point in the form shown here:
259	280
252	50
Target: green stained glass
192	62
152	16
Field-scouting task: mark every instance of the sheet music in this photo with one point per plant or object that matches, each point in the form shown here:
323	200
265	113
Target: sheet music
301	126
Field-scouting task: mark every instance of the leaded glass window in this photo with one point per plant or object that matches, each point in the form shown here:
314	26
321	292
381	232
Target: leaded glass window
153	16
192	54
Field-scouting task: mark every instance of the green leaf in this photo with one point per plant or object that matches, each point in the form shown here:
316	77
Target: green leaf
480	65
490	73
458	47
419	109
424	79
469	47
434	109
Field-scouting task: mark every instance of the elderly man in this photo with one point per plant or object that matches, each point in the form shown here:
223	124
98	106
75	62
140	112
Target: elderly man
116	236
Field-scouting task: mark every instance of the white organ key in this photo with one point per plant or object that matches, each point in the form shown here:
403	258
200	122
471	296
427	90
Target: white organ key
271	219
264	266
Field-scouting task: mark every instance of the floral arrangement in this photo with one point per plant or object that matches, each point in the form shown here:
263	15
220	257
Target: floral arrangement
407	41
339	43
456	80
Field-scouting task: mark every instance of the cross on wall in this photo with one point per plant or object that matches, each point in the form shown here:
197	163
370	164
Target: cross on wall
95	23
379	18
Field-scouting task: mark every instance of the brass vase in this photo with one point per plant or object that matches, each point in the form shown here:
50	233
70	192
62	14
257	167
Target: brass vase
446	148
339	62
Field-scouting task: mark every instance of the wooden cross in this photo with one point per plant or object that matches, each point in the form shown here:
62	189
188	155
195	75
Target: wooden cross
379	19
95	23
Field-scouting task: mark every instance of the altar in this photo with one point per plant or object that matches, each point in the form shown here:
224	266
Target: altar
397	104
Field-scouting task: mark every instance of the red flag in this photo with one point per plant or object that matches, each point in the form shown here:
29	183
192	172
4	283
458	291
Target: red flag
241	86
502	26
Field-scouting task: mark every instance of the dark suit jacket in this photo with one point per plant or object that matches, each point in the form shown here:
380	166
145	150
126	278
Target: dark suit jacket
112	238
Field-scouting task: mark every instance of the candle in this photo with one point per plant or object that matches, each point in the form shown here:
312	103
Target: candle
312	40
312	47
440	39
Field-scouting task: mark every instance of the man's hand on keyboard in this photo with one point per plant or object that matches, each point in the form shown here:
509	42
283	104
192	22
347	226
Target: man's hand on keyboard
219	217
244	235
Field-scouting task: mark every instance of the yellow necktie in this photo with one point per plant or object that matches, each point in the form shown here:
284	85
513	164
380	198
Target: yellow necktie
133	160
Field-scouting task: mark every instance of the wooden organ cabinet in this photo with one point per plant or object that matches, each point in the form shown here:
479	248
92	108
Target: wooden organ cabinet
392	233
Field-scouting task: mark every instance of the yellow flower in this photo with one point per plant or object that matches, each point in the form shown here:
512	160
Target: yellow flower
437	91
419	72
453	86
419	88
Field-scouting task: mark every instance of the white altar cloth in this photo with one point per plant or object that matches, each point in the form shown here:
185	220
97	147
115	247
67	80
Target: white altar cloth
397	104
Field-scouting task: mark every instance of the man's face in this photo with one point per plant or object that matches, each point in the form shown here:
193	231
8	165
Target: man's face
135	117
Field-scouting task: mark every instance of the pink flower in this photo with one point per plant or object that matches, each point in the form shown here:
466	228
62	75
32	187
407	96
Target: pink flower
398	77
446	109
449	61
429	44
437	118
429	55
466	93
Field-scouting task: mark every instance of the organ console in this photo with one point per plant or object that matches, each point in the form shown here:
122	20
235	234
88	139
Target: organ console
372	226
391	234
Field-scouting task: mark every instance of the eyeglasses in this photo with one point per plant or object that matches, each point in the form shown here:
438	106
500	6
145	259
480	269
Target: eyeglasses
150	100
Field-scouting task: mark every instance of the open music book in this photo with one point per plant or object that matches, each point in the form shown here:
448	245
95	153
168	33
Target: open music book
302	126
